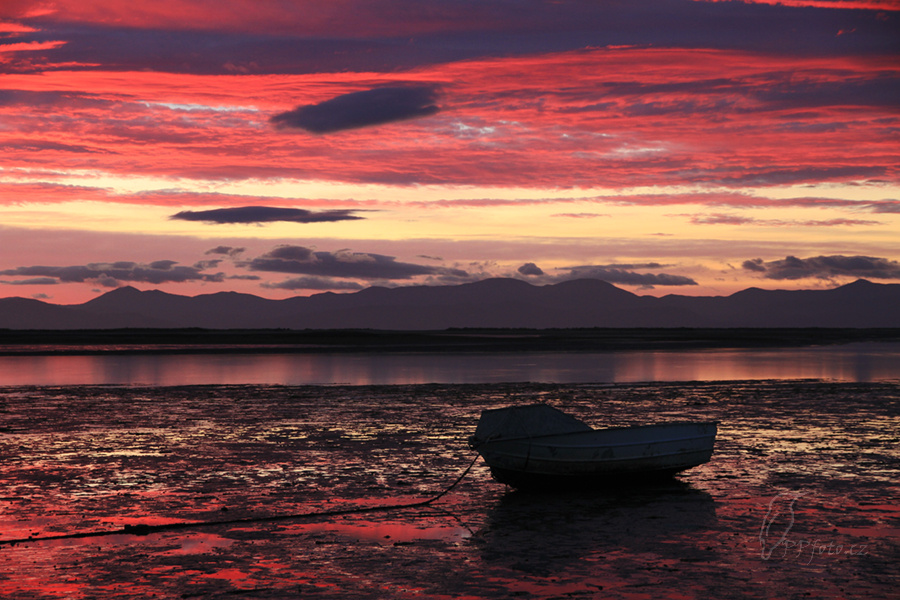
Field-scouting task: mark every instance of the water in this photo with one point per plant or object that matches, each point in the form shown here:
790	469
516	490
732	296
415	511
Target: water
859	362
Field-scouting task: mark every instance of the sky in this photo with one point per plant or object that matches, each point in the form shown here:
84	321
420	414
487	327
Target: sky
293	147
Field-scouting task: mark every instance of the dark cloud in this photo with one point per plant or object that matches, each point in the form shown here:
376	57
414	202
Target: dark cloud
361	109
226	250
313	283
264	214
881	91
343	263
35	281
619	273
530	269
404	34
292	253
780	176
884	206
755	264
648	265
244	277
681	107
33	99
112	274
826	267
45	145
162	265
727	219
775	91
624	275
203	265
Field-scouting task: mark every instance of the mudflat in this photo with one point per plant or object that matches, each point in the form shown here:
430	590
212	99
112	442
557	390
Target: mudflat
799	499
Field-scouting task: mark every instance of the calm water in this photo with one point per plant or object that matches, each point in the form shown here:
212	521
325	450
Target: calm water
862	362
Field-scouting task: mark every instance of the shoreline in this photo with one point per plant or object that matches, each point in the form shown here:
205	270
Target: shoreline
210	341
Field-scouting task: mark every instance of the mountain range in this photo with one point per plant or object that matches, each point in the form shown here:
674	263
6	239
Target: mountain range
492	303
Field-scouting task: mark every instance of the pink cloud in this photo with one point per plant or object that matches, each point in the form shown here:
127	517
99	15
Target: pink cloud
48	192
728	219
580	215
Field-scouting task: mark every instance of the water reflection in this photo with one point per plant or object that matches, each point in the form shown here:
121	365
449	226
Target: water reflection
862	362
543	533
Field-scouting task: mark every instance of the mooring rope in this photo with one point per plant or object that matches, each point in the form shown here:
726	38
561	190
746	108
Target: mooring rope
145	529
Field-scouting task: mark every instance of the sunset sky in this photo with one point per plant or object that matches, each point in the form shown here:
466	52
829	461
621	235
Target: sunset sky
290	147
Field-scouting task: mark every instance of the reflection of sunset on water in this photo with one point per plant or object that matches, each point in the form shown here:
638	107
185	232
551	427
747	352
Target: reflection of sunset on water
850	362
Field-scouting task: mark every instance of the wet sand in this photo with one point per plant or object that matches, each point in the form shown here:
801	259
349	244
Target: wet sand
800	499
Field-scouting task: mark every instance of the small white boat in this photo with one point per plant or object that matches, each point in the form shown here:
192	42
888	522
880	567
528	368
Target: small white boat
538	446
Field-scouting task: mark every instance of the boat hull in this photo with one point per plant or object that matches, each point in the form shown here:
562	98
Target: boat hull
601	456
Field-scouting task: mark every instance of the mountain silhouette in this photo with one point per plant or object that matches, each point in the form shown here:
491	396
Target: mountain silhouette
491	303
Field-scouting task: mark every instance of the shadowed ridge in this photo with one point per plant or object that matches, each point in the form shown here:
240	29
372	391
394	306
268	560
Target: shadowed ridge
500	283
750	291
16	312
863	284
487	303
491	303
128	295
153	308
591	286
24	313
17	301
861	304
866	287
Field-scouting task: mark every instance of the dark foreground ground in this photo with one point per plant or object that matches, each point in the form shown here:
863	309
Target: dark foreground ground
14	342
799	501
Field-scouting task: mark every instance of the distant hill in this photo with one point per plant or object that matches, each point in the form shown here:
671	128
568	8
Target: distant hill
492	303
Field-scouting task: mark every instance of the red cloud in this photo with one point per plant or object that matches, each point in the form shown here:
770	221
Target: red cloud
16	193
613	118
853	4
351	18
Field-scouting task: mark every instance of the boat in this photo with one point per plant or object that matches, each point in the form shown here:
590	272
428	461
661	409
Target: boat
538	446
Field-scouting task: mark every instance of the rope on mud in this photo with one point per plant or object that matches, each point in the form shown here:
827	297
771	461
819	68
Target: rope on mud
145	529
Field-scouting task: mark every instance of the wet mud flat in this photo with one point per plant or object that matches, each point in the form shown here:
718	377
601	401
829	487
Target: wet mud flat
800	499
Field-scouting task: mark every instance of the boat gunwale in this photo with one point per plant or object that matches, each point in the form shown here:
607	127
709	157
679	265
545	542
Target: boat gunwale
532	438
581	446
555	459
